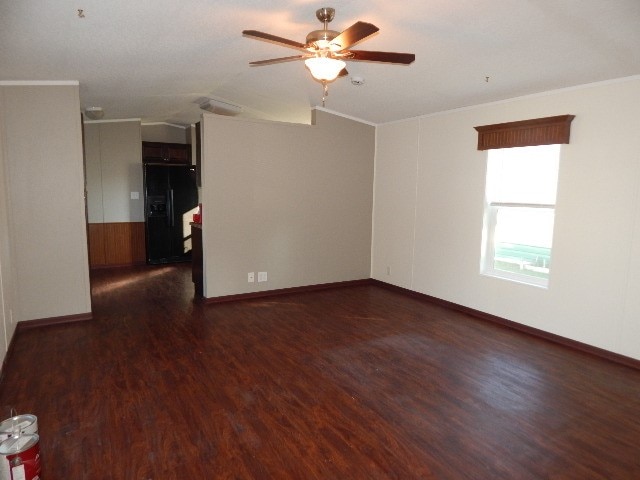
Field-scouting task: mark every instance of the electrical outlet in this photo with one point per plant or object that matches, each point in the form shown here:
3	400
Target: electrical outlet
251	277
262	276
388	270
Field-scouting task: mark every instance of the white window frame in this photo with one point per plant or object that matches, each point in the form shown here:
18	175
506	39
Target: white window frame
487	257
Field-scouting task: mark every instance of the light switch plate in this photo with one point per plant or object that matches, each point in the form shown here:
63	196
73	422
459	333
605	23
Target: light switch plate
262	276
135	195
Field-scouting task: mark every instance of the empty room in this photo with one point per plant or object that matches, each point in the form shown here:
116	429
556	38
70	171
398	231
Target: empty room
256	240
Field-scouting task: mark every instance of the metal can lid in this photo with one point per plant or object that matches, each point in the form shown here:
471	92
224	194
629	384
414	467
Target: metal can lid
14	445
21	421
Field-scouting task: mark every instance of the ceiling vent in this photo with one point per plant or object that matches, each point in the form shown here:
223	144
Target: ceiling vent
220	108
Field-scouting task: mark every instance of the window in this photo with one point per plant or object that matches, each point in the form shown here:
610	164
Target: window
519	213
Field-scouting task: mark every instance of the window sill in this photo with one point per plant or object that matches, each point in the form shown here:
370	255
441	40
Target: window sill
516	278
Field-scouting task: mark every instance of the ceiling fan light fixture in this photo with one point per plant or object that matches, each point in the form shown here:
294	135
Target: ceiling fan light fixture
324	69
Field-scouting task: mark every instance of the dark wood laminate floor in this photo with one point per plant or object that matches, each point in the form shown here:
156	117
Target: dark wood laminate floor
351	383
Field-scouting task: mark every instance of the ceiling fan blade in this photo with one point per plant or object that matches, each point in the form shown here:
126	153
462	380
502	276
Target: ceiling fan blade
386	57
285	42
277	60
343	73
355	33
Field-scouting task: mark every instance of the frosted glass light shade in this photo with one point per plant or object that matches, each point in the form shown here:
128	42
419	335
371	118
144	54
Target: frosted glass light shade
323	68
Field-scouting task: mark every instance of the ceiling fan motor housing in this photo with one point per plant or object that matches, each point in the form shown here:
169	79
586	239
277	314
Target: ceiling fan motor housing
324	36
321	38
318	35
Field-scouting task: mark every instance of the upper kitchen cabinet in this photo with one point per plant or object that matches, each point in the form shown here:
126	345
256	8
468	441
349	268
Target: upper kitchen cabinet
157	152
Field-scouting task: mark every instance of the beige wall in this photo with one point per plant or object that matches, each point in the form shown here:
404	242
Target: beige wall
45	191
114	171
163	132
292	200
429	210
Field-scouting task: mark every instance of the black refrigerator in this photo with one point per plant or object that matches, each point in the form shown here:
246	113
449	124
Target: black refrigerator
170	197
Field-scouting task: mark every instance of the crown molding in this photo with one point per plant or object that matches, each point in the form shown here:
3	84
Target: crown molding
338	114
184	127
115	120
20	83
546	93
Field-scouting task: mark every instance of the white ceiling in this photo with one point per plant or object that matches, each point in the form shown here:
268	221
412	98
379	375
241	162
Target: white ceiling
154	59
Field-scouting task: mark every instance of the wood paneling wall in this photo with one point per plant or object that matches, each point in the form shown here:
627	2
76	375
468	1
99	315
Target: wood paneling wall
97	255
120	243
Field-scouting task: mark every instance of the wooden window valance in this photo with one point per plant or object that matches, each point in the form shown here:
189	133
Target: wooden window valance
525	133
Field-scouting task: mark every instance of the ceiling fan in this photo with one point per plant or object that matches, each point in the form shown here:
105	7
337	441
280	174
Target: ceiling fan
326	50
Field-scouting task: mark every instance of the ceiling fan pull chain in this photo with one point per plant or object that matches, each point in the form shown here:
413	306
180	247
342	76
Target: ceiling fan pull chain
325	92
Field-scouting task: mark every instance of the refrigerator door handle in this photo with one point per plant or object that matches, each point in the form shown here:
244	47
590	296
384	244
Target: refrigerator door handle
170	219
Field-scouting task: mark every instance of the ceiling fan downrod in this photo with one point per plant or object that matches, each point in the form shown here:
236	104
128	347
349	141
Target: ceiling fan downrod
321	38
325	15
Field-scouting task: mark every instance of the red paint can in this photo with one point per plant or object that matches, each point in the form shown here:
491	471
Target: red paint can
26	423
20	458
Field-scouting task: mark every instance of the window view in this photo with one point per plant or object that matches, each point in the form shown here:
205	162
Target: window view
519	213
